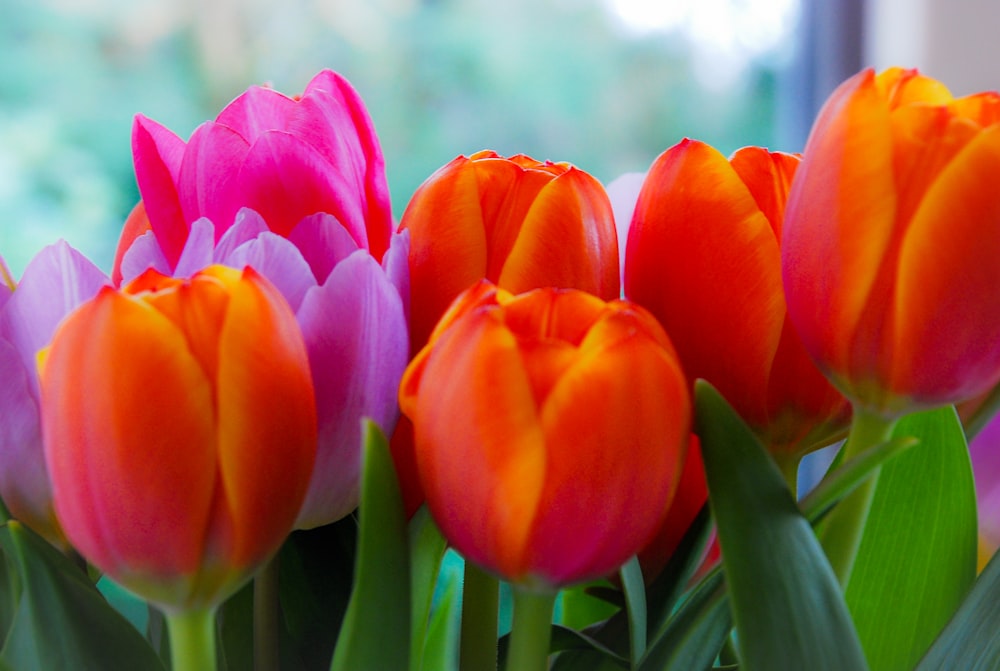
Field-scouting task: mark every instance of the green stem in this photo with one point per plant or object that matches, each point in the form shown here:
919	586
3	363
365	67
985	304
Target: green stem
480	603
845	525
192	640
265	618
531	631
789	466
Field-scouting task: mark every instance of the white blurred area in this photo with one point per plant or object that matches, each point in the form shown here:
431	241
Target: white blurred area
955	41
725	35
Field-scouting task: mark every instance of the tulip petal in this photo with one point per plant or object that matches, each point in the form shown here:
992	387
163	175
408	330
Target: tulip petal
934	351
395	263
279	261
355	333
323	243
286	180
593	490
566	239
137	424
198	249
445	221
136	225
257	110
493	452
158	154
24	481
623	192
838	228
55	282
378	210
247	226
145	253
697	219
208	183
284	413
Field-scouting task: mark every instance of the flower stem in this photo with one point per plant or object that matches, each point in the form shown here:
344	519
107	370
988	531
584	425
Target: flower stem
265	617
480	601
532	630
192	640
844	527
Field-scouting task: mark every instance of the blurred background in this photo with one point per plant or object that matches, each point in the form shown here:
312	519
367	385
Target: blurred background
604	84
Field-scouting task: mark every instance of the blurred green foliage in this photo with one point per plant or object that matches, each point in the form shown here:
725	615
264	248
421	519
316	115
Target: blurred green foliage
550	78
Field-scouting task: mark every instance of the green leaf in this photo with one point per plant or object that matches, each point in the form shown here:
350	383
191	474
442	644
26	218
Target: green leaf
564	639
692	638
635	606
969	641
427	547
917	558
842	481
376	629
662	595
440	650
62	621
786	603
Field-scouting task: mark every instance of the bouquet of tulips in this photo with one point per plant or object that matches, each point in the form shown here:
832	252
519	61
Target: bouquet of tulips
534	424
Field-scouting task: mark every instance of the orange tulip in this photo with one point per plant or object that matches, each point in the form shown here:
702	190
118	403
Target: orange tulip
551	429
891	238
179	431
518	222
704	257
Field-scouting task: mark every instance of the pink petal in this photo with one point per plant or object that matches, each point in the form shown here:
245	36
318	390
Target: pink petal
286	180
208	182
247	226
257	110
144	253
278	260
157	154
55	282
396	265
355	333
323	242
197	252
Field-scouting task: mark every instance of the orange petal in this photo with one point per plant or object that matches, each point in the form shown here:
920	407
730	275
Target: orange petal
128	415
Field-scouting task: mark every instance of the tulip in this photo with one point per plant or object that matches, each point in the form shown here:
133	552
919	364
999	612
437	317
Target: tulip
295	188
703	256
517	222
55	282
179	431
550	429
286	158
890	242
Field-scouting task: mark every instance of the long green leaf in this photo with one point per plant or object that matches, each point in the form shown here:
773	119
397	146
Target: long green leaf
427	547
62	621
376	629
786	603
917	558
693	636
969	642
635	606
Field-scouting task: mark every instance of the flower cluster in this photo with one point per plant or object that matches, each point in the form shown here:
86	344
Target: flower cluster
539	367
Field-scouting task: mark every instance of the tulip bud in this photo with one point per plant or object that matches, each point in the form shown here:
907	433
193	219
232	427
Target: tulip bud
890	242
550	431
704	257
180	431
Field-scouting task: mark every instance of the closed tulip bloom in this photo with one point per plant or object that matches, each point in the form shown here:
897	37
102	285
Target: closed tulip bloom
704	257
550	429
295	188
285	158
56	281
180	431
890	243
517	222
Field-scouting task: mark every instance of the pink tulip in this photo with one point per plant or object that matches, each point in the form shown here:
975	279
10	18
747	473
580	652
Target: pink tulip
54	283
296	189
